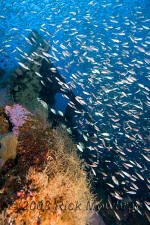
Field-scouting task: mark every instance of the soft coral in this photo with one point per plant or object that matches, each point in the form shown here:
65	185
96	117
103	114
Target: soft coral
17	116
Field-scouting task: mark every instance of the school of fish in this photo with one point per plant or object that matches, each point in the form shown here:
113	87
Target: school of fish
102	50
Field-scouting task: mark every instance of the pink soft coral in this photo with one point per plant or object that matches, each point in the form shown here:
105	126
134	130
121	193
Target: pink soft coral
17	116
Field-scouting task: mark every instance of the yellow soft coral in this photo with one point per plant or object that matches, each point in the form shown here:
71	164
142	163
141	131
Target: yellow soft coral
8	147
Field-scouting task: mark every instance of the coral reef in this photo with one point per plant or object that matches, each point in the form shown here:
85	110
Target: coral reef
46	182
26	88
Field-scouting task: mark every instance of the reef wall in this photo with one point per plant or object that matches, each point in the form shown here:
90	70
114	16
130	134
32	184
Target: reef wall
44	182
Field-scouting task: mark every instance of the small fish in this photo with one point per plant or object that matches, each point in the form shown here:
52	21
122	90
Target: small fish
53	110
115	180
105	134
23	66
117	215
38	74
60	113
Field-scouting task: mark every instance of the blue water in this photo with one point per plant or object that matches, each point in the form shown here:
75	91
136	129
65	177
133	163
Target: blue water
49	15
97	23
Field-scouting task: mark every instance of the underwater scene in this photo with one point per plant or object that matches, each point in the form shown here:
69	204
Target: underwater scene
74	112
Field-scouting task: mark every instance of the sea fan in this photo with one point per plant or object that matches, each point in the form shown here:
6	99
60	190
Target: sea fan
8	149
